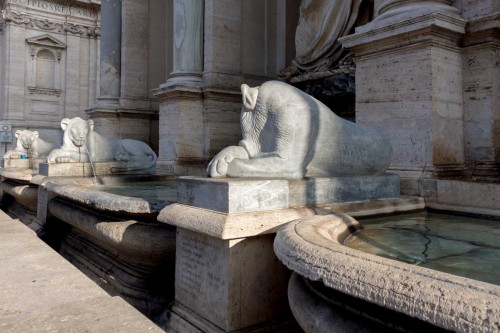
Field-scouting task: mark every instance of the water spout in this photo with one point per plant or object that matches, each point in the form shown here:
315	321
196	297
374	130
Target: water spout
91	165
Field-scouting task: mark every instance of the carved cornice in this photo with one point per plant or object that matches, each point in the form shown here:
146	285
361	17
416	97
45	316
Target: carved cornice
11	16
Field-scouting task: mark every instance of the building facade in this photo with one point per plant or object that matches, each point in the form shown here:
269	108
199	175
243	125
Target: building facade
48	62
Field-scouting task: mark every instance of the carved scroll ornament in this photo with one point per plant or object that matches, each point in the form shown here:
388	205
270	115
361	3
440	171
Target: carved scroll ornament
10	16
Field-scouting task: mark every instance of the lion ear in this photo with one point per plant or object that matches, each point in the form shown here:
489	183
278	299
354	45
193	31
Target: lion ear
64	123
18	133
91	124
35	133
249	96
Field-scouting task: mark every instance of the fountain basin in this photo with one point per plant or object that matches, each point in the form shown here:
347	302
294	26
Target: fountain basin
313	248
20	197
115	239
139	197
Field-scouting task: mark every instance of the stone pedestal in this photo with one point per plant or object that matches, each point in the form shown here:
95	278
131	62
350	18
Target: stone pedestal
227	276
409	85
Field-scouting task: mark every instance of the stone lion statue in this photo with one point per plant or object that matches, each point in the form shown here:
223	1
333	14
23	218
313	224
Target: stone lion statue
30	144
289	134
81	143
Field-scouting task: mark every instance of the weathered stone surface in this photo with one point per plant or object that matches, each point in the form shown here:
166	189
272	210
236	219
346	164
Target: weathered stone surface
409	86
237	195
18	174
232	225
214	216
315	315
468	197
229	282
19	195
138	240
42	291
25	194
289	134
312	248
83	192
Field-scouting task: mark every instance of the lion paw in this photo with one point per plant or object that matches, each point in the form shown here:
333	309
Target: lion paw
220	163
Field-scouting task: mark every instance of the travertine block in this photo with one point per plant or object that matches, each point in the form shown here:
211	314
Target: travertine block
409	85
227	276
229	282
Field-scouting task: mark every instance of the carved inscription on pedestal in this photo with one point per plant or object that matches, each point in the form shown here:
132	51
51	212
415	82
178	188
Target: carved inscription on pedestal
201	274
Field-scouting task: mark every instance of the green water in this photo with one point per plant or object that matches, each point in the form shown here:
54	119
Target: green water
151	190
464	246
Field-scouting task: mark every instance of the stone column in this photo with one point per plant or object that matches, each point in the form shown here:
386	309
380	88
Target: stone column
111	31
188	42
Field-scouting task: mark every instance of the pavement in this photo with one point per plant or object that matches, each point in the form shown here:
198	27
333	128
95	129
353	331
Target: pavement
41	292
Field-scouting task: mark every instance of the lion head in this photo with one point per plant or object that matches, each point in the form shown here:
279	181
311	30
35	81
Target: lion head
76	130
26	138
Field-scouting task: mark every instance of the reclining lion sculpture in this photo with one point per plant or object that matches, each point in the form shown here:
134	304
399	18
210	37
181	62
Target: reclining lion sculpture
30	144
82	144
289	134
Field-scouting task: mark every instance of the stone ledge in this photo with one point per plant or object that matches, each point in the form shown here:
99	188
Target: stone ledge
247	224
229	226
83	169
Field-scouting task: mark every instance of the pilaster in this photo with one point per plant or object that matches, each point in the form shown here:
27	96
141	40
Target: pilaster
481	89
409	85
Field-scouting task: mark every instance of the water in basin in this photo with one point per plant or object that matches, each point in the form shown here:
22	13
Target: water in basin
165	190
464	246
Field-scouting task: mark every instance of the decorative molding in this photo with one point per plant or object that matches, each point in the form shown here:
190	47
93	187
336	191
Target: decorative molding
46	41
93	32
74	28
15	17
46	24
44	91
11	16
